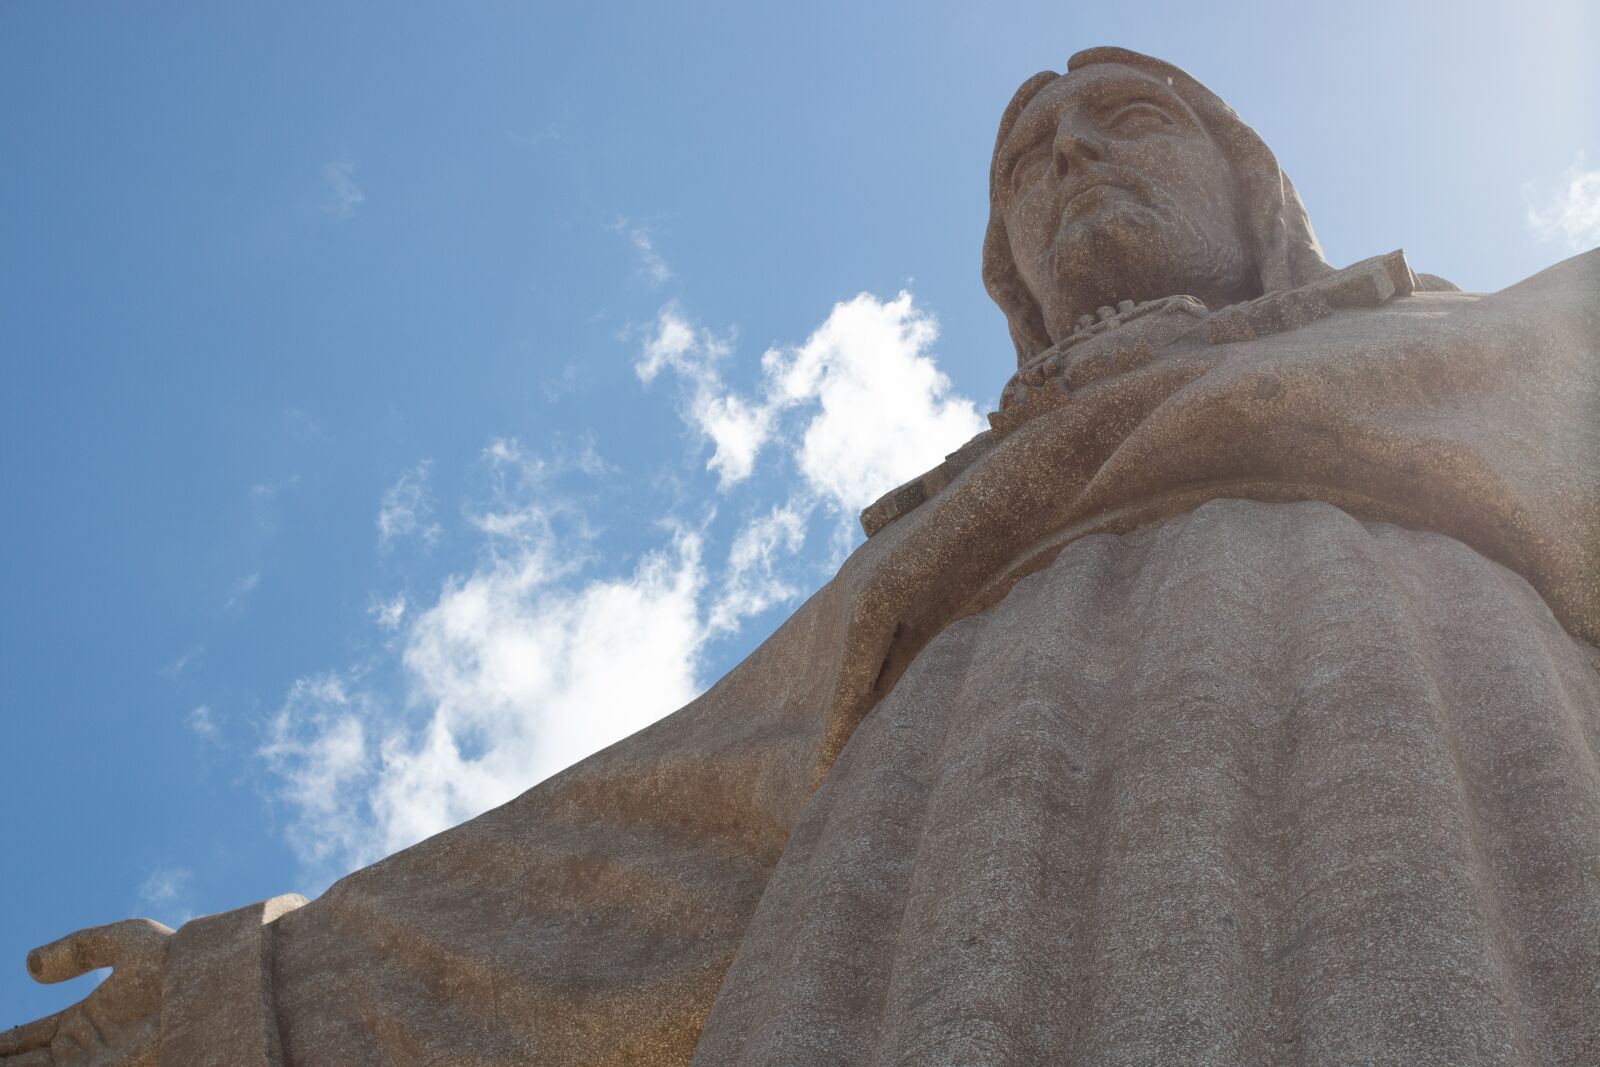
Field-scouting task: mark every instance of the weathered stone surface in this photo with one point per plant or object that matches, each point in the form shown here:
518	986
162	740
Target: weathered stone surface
1236	707
218	1005
1262	784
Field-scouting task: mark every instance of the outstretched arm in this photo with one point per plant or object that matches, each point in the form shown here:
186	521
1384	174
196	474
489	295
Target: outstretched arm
589	921
117	1025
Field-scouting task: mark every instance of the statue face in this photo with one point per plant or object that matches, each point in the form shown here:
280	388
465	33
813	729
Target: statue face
1112	189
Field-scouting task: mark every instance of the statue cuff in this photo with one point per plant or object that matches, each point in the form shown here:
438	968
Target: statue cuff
216	989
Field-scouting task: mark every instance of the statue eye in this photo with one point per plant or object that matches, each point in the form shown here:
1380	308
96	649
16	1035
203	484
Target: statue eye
1026	168
1137	116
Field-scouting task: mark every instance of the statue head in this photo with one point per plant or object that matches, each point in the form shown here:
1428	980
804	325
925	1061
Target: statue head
1126	179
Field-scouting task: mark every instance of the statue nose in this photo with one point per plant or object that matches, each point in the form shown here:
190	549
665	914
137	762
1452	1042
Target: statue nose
1073	148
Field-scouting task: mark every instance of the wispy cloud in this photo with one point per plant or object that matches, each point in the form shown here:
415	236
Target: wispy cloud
563	383
303	427
317	744
265	501
164	896
183	662
646	258
754	580
406	509
590	461
550	131
344	196
388	613
1567	210
241	591
202	723
738	428
265	491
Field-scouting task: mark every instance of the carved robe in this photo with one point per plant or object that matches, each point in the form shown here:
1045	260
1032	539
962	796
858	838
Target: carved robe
1239	707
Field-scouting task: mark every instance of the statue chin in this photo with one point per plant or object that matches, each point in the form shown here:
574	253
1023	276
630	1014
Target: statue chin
1129	251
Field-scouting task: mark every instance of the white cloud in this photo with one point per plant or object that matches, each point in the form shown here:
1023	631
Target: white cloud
678	345
752	583
406	507
502	452
737	428
388	613
201	722
872	406
881	410
1570	210
344	195
516	671
524	677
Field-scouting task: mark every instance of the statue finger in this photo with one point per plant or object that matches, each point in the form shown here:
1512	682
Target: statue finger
28	1037
99	946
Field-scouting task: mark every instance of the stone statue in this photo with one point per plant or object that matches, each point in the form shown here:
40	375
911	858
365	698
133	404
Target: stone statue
1231	700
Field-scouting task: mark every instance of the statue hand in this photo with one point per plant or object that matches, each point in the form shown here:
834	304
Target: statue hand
119	1024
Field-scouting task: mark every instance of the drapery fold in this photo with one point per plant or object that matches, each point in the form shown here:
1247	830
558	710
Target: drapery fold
1261	785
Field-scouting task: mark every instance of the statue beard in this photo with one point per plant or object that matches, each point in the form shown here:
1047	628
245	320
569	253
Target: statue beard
1133	251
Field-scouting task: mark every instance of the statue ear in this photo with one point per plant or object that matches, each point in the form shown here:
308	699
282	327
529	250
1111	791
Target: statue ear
1000	277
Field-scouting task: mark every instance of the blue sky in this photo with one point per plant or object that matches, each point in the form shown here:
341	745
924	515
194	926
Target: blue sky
401	402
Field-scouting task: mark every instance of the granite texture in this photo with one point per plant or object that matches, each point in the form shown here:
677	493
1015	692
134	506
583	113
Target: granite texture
1260	785
1234	704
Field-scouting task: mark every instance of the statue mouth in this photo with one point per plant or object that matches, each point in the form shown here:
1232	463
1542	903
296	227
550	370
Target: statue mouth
1094	190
